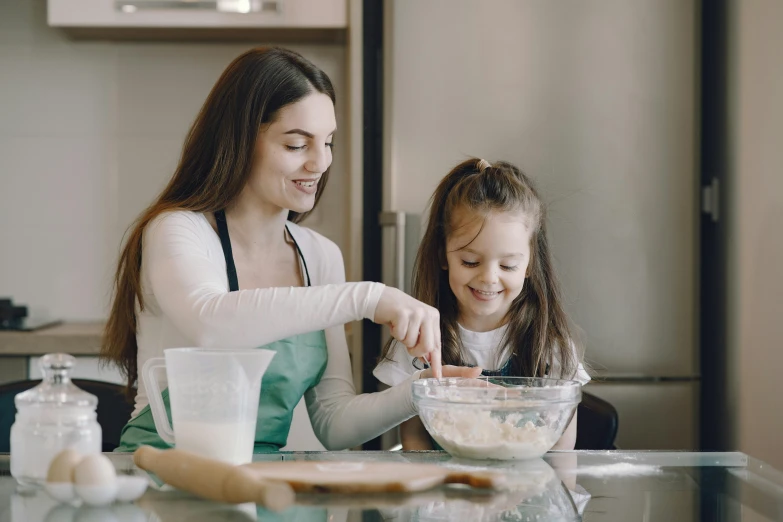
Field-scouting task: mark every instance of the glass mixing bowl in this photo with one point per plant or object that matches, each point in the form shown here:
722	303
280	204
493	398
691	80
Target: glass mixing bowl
496	418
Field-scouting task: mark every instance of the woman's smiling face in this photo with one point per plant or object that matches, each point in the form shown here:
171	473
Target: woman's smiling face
293	152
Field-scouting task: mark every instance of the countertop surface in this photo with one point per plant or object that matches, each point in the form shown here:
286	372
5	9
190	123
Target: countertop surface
72	338
563	486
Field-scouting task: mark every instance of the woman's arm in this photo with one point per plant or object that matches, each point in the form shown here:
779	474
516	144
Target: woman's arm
191	290
342	419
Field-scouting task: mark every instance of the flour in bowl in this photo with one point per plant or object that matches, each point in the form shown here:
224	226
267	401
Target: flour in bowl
479	435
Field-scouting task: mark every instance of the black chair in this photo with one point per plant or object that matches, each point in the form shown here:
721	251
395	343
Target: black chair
596	424
113	410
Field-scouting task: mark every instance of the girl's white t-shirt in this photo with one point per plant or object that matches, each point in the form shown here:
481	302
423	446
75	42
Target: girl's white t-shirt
481	349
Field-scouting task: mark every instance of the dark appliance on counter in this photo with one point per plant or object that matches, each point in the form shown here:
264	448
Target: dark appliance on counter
16	318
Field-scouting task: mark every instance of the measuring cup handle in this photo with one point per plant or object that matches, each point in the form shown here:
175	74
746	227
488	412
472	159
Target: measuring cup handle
159	416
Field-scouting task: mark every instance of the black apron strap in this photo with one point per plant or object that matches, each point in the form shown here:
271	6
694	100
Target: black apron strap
301	256
225	241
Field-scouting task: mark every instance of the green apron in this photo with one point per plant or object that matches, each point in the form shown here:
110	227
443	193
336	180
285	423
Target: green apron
298	365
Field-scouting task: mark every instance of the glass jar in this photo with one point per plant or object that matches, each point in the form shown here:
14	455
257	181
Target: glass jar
51	417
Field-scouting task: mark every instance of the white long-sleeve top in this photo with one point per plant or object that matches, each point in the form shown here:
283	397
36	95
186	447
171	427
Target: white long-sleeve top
187	303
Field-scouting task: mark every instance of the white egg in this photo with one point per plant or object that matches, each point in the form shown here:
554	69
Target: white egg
95	470
130	488
96	480
62	465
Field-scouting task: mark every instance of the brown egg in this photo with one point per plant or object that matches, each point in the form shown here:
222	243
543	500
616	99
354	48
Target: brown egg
62	466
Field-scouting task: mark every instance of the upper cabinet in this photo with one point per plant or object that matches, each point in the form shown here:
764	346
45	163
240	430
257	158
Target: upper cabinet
266	20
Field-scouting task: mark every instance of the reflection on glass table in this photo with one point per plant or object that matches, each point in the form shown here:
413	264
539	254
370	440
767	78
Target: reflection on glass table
588	486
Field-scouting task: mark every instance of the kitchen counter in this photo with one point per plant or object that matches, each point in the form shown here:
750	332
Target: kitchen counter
72	338
563	486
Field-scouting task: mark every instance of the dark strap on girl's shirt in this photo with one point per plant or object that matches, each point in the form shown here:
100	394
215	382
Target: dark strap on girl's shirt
505	371
225	241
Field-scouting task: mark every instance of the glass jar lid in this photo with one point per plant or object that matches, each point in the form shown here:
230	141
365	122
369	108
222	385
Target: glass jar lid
56	388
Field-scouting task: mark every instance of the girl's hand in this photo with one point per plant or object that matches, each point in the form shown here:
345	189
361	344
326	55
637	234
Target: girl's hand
453	371
412	323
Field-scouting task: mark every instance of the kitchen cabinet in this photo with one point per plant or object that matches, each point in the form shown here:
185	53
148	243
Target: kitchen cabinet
281	20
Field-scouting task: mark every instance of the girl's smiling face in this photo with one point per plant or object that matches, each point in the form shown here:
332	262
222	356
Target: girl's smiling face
487	260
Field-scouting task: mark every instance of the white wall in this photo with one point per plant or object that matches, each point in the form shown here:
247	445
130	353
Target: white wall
756	264
89	133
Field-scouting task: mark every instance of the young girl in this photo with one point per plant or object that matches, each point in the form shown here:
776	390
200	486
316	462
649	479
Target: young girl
484	263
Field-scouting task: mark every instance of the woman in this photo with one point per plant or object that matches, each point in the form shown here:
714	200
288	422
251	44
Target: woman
219	261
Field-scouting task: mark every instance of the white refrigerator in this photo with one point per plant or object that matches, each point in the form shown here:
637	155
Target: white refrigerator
598	101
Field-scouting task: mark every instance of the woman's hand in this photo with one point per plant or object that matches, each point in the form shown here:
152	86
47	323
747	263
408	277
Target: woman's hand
412	323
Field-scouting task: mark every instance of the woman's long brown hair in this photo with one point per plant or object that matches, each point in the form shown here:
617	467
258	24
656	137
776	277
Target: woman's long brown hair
216	162
539	333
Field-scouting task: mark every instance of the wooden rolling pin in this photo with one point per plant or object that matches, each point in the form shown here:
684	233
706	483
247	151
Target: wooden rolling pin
212	479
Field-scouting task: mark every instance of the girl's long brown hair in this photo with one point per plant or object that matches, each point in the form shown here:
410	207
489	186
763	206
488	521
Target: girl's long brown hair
216	162
539	331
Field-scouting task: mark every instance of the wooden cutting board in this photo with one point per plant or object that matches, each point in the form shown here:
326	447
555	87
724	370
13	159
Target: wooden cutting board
213	479
368	477
272	484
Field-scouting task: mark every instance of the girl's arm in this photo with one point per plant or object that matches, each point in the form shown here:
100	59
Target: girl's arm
414	436
568	439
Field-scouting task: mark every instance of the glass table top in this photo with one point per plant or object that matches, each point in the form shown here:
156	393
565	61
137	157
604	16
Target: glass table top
562	486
